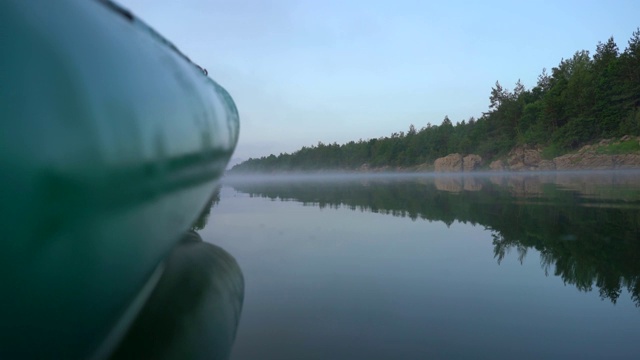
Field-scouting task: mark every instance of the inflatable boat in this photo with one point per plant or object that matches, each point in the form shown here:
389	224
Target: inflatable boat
111	143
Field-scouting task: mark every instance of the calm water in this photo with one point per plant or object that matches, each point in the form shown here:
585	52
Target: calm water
536	267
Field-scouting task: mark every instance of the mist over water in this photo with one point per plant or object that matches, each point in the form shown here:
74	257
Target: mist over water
583	176
379	266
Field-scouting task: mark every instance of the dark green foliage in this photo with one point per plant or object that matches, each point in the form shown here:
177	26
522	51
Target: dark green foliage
551	151
576	132
583	100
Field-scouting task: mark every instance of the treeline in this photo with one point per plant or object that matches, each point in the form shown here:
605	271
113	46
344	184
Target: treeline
584	98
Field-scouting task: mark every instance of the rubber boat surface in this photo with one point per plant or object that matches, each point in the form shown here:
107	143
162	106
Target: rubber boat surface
111	142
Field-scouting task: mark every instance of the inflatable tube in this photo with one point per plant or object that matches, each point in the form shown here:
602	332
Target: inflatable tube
111	142
194	310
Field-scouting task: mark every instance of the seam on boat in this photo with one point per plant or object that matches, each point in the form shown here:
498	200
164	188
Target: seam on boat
119	330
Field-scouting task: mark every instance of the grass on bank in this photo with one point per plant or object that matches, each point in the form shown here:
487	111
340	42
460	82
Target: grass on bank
623	147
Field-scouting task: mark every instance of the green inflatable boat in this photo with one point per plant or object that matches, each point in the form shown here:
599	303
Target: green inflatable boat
111	143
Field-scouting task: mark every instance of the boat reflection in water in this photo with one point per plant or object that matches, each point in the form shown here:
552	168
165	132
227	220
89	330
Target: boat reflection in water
195	308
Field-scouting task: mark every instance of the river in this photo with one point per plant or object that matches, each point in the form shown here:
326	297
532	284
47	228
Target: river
423	266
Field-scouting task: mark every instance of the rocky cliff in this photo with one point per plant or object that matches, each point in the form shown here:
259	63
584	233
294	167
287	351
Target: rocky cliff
456	163
623	153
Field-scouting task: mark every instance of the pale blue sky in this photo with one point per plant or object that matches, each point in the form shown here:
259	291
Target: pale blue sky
334	71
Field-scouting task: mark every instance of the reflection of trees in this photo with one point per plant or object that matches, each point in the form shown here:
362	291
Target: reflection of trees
587	240
582	245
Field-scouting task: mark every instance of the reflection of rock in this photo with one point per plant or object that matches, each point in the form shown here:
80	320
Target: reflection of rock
524	186
449	163
472	184
594	185
448	184
456	185
456	163
532	186
497	180
600	186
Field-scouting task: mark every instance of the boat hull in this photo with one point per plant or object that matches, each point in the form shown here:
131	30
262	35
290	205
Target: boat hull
111	144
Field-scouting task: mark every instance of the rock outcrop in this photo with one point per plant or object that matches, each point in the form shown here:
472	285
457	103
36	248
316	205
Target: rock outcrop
449	163
546	165
457	163
471	162
627	161
497	165
584	161
523	158
592	157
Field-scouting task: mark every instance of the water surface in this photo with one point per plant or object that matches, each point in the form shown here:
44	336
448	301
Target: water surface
537	266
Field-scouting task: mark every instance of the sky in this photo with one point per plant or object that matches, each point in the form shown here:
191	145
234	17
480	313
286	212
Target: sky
306	71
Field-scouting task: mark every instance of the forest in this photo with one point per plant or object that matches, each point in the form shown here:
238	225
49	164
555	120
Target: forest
582	100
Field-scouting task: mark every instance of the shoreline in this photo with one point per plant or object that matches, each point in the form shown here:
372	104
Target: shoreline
341	174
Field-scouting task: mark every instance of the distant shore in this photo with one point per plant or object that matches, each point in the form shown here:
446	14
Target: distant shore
607	154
